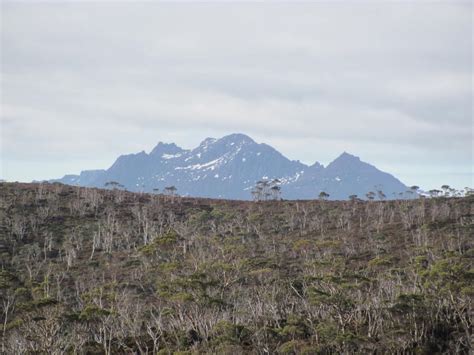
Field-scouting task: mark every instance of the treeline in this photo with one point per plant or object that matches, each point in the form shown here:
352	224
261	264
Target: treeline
108	271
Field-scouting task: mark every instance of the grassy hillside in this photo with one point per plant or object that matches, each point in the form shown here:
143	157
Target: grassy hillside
100	271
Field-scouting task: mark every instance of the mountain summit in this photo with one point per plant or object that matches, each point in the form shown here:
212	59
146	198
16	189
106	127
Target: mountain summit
230	166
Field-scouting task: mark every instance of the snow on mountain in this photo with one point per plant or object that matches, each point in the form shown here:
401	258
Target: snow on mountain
230	166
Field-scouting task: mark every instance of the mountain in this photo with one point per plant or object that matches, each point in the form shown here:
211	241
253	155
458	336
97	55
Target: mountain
229	168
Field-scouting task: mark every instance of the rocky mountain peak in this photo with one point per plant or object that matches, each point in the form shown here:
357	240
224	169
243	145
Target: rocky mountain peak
165	148
230	166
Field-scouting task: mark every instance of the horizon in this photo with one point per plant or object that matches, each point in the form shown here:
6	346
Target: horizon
83	83
324	164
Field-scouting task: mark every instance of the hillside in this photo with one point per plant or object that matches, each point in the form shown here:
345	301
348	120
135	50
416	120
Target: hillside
230	166
95	271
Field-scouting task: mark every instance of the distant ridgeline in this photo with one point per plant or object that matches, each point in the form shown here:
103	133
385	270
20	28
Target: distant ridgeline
232	166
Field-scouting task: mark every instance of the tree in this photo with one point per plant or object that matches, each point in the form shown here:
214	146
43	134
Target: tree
323	195
370	195
275	189
445	189
265	189
256	193
113	184
435	193
413	190
276	192
264	186
214	276
381	195
170	190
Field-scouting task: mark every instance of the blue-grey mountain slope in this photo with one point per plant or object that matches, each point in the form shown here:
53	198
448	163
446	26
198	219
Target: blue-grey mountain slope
229	168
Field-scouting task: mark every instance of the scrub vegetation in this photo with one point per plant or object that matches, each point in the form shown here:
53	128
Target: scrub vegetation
95	271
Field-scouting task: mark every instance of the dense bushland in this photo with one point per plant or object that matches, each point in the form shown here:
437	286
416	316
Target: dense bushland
102	271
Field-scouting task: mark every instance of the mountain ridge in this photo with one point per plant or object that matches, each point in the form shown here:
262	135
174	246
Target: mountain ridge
229	167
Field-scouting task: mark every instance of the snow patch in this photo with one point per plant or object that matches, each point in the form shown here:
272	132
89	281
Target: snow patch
211	165
171	156
289	179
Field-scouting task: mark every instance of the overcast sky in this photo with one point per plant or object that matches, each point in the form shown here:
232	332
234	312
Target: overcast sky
391	83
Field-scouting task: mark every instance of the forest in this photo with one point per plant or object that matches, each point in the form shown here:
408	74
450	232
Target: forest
106	271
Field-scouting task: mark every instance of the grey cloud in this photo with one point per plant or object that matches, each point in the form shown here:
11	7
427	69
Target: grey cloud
385	81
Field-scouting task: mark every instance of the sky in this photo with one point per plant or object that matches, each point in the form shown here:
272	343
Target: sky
391	82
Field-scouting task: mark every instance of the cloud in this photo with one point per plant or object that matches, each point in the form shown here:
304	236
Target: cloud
385	81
